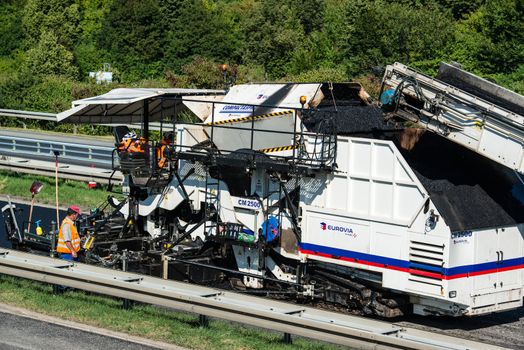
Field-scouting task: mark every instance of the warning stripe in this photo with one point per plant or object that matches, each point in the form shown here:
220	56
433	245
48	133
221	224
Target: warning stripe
278	149
250	118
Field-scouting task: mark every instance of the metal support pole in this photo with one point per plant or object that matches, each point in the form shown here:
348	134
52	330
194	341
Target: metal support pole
53	239
145	119
203	321
287	339
126	303
56	187
165	267
253	133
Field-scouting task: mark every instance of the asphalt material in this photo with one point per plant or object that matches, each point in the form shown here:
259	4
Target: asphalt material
470	191
350	120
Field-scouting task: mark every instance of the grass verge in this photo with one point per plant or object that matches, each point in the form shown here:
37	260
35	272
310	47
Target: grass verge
69	191
145	321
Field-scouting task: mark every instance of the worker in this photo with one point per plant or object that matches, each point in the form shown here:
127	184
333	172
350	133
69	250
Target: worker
68	238
162	148
131	143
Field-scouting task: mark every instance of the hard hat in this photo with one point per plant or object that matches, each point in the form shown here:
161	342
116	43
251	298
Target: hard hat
75	208
129	135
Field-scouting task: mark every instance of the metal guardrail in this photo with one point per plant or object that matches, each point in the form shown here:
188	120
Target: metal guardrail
357	332
74	153
28	114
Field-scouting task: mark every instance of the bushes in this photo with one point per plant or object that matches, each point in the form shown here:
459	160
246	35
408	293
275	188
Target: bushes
47	47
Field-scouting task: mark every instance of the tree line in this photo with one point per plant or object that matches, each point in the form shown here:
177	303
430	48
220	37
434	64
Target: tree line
48	47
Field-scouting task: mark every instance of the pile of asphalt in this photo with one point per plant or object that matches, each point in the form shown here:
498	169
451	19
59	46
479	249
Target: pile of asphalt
349	120
470	191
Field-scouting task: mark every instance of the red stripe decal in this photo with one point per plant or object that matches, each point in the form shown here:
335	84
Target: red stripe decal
412	271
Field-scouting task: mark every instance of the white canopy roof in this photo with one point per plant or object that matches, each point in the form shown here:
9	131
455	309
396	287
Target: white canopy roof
126	106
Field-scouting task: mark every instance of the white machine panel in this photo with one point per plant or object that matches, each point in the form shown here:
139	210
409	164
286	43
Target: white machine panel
373	182
285	95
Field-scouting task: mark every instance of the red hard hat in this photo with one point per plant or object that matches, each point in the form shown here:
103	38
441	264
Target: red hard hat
75	208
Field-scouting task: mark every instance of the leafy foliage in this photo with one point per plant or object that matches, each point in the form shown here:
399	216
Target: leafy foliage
48	47
132	38
49	57
60	17
10	28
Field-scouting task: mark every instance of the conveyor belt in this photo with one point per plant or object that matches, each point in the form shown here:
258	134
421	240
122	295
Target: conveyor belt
356	332
483	126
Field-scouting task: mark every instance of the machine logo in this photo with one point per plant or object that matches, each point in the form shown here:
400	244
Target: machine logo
249	203
348	231
236	109
461	237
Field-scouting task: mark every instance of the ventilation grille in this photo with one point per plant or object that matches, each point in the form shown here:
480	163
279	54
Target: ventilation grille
426	262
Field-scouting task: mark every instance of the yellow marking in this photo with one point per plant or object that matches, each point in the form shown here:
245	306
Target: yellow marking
278	149
250	118
89	243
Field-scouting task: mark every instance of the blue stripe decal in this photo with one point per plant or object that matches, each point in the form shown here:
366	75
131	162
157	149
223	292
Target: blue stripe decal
403	264
355	255
419	266
458	270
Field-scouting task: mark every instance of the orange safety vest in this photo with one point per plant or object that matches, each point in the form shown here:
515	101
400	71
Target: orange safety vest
160	156
132	146
61	247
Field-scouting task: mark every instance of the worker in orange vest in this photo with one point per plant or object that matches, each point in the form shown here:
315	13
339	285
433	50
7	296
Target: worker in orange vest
162	148
131	143
68	239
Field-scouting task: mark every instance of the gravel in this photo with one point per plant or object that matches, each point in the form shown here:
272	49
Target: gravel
502	329
351	120
470	191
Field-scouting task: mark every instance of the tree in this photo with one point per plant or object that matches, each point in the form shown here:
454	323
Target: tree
61	17
461	8
310	14
10	28
49	57
491	40
383	32
271	35
322	49
133	38
202	28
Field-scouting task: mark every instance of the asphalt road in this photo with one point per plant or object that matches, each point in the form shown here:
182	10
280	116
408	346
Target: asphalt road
18	332
45	214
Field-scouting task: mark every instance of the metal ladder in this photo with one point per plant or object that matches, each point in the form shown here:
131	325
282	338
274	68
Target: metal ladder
211	203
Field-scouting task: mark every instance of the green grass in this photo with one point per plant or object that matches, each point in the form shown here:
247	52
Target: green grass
143	320
70	192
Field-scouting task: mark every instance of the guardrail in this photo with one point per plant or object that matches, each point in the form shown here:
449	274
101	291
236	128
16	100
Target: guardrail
357	332
77	160
73	153
28	114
